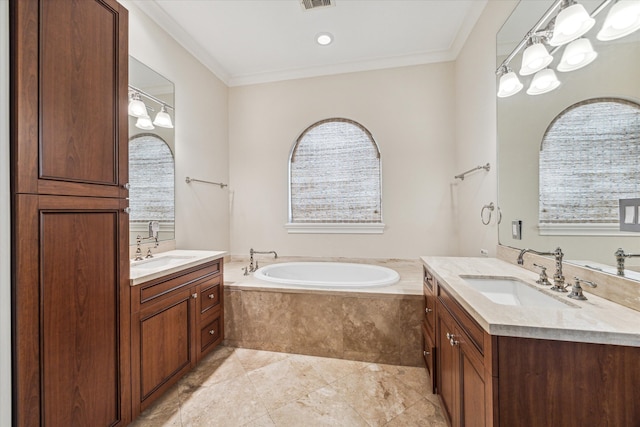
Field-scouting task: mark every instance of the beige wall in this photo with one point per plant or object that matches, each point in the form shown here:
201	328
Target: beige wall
410	113
475	119
201	147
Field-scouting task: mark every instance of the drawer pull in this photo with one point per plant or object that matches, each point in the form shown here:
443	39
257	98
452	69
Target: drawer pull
449	336
428	310
426	353
453	341
212	332
211	296
194	296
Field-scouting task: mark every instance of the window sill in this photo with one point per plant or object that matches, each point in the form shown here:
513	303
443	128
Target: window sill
582	230
334	228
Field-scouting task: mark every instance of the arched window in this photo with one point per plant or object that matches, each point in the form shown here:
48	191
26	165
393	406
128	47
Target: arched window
589	158
151	180
334	180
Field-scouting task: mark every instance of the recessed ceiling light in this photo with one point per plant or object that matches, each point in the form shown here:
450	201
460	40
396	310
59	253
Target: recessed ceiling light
324	39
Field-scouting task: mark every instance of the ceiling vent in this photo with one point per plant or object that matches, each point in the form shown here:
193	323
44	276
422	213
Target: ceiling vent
315	4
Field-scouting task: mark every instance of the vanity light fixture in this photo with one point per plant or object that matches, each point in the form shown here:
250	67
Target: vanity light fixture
535	58
324	39
579	53
509	83
144	123
136	106
572	22
163	119
623	19
543	82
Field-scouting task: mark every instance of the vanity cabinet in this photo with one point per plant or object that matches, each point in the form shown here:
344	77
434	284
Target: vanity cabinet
461	374
428	327
176	320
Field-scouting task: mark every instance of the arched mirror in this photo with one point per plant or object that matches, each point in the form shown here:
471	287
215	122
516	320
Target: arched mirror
151	152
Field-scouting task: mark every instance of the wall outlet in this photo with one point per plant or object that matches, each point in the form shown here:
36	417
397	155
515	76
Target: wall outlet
484	252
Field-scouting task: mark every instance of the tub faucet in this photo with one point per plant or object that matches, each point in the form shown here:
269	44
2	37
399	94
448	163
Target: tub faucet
558	278
620	256
253	268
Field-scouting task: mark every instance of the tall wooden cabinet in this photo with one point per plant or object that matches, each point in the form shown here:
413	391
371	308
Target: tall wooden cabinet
70	267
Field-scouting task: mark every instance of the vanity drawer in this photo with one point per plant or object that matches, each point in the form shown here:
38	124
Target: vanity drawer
209	295
210	334
428	281
430	314
162	286
429	355
472	329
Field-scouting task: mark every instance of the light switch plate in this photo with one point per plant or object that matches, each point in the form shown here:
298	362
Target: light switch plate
629	211
516	229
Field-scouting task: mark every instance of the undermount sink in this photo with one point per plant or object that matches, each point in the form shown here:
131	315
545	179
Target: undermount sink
511	291
163	261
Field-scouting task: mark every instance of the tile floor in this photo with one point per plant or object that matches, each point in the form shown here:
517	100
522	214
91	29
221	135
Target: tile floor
243	387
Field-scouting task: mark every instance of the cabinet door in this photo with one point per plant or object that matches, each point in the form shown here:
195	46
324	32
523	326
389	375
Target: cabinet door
447	366
69	82
164	345
472	384
71	360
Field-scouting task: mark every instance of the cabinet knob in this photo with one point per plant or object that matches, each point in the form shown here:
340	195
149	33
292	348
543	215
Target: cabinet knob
126	186
426	353
428	310
449	335
453	341
194	296
212	332
126	210
211	296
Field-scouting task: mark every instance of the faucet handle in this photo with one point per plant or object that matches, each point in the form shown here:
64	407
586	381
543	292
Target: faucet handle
576	289
543	279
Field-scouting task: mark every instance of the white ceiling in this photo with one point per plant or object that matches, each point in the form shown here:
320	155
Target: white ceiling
256	41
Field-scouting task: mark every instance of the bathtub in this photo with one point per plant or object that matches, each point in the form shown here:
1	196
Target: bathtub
328	275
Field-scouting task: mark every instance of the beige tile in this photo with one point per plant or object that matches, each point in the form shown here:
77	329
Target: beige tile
416	378
266	318
232	315
255	359
163	412
410	340
323	407
377	395
265	421
282	382
423	413
231	403
370	325
219	366
316	323
328	368
374	357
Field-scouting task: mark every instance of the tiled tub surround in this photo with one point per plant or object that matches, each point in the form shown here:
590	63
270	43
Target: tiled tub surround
596	320
373	325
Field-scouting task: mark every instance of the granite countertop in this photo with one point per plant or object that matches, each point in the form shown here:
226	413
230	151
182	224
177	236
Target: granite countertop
169	262
595	320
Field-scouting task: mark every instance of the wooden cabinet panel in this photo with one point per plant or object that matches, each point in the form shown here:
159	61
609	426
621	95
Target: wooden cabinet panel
210	334
448	367
165	341
472	387
69	81
72	354
429	355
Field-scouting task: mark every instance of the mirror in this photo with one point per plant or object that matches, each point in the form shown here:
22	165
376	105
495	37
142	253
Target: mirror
151	156
523	121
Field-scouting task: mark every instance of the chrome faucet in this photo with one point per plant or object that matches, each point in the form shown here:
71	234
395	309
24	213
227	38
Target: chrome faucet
620	256
154	228
558	278
253	268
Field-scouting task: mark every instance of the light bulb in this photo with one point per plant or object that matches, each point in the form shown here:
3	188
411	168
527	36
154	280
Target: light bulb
579	53
544	81
534	59
144	123
163	119
623	19
571	23
509	85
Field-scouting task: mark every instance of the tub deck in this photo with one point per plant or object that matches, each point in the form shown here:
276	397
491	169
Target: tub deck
379	324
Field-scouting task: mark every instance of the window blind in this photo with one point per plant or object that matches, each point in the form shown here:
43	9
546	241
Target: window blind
335	175
589	159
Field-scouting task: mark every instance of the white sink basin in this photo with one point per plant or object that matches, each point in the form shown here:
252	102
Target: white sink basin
510	291
164	261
